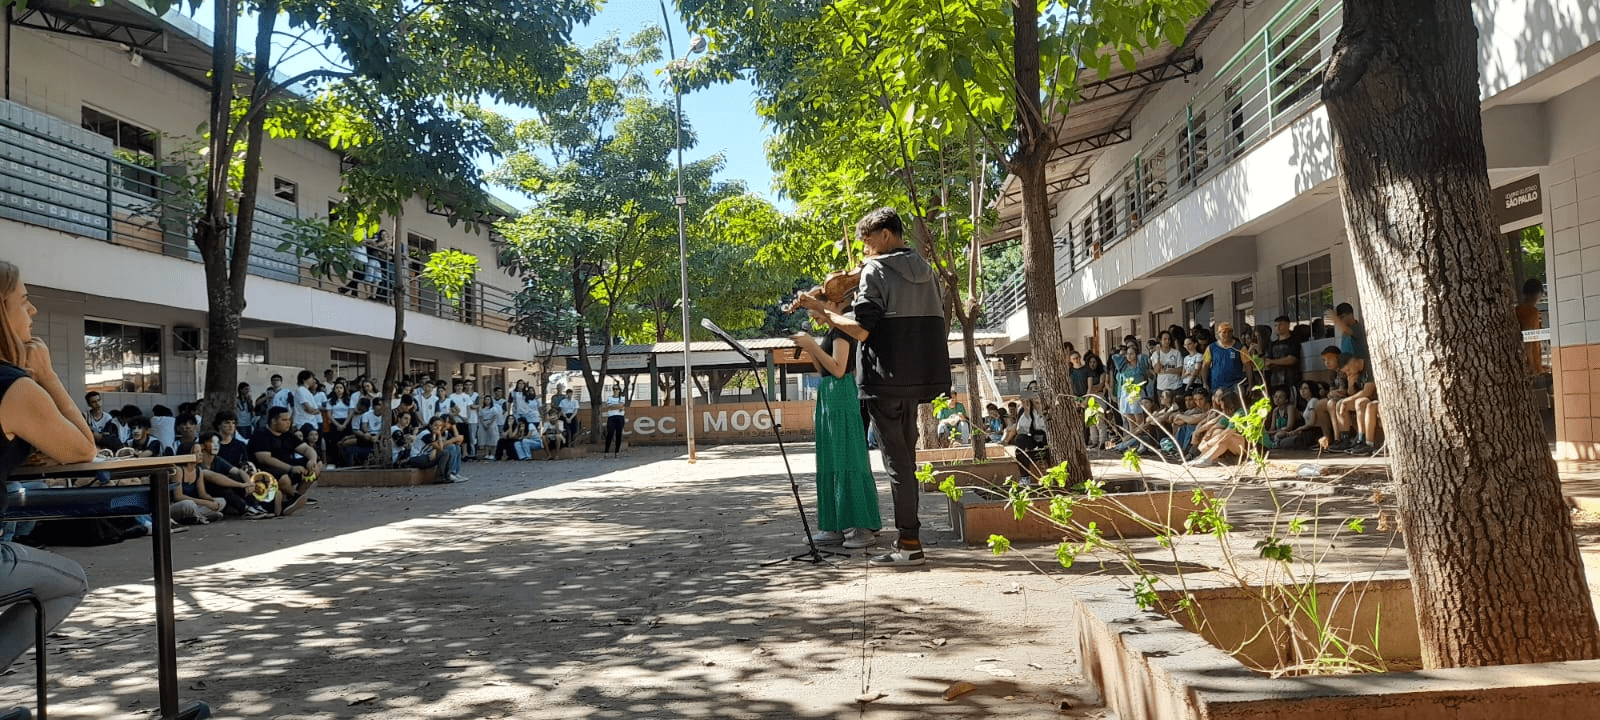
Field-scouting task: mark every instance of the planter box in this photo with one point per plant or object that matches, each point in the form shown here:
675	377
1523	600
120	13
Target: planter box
975	518
377	477
959	463
1149	667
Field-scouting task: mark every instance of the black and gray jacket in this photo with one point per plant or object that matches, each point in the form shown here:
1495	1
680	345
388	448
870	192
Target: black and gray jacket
905	355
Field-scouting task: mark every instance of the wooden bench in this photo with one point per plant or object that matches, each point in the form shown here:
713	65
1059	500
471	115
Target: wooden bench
153	498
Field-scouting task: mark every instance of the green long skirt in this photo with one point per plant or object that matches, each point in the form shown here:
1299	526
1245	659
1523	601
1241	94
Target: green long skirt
847	494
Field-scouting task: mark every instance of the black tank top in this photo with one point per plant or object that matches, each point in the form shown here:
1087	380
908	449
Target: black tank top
15	451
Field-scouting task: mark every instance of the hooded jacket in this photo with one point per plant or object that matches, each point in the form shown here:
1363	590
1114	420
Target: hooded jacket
905	355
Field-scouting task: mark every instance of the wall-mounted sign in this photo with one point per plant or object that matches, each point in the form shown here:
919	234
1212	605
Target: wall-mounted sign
733	421
1517	201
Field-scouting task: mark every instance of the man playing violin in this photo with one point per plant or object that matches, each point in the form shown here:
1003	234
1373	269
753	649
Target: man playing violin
898	317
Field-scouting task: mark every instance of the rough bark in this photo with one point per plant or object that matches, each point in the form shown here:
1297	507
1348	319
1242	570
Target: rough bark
224	297
1035	141
1495	567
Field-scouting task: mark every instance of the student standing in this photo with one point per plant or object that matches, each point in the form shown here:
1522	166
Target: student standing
847	496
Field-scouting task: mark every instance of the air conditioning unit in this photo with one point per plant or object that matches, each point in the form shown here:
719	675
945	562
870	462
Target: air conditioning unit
188	340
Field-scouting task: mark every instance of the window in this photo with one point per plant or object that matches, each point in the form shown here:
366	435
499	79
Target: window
1307	289
252	351
490	378
1244	305
1295	58
135	150
121	358
424	298
1154	171
1198	311
1160	320
286	191
347	364
418	367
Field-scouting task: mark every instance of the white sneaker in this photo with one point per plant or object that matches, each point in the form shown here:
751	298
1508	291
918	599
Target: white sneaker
857	538
828	537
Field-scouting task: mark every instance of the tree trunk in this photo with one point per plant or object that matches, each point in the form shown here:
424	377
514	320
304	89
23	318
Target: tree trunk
1035	141
1495	567
224	297
394	370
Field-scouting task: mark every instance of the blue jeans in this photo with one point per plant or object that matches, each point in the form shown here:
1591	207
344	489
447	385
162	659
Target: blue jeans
58	582
448	460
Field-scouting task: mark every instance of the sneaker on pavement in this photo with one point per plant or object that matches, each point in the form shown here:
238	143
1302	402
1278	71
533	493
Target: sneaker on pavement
899	557
857	538
827	537
458	478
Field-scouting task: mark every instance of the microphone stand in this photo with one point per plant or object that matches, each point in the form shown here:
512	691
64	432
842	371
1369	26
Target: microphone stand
814	555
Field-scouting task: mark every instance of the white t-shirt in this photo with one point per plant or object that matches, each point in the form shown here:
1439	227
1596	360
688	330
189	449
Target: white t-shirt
283	398
1191	367
614	406
427	407
165	429
368	422
338	409
491	416
569	406
1171	362
303	397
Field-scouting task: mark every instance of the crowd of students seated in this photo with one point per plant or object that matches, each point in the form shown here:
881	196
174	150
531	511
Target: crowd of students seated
1177	395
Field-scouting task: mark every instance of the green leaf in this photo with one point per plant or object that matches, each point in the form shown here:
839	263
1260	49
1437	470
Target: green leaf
1356	525
999	544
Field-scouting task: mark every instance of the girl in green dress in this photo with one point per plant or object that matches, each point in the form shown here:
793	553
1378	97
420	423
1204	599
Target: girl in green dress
847	494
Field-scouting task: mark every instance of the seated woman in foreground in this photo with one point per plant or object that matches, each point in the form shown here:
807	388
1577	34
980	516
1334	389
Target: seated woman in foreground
35	413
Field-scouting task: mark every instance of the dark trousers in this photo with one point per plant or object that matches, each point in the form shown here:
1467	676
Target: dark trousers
614	425
897	439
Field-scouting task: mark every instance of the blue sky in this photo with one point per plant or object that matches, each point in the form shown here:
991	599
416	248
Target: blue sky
723	116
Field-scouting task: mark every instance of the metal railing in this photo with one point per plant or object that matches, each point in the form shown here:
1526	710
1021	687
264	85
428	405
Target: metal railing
59	176
1272	80
1004	300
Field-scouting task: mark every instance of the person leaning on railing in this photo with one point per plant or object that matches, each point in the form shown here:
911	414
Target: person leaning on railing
35	413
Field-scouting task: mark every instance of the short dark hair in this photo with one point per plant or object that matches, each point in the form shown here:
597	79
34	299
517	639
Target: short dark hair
276	376
91	395
139	421
161	411
275	411
303	377
1331	350
884	218
1343	309
185	419
206	436
1282	318
1532	286
223	416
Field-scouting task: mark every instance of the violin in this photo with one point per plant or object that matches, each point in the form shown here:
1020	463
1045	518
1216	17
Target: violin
833	289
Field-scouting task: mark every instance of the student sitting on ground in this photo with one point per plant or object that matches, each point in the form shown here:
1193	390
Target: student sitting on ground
1223	439
506	448
362	441
221	480
433	448
230	446
140	442
293	462
554	433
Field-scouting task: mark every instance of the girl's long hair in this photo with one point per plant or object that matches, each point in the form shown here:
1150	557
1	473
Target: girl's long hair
11	346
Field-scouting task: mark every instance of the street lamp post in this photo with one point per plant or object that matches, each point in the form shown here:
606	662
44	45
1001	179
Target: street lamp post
696	44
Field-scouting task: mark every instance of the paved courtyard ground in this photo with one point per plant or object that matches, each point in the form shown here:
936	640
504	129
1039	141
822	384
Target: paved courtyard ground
629	588
592	588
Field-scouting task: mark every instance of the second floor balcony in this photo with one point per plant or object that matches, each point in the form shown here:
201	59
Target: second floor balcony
63	177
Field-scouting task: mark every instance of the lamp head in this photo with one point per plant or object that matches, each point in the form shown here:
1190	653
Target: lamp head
697	44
